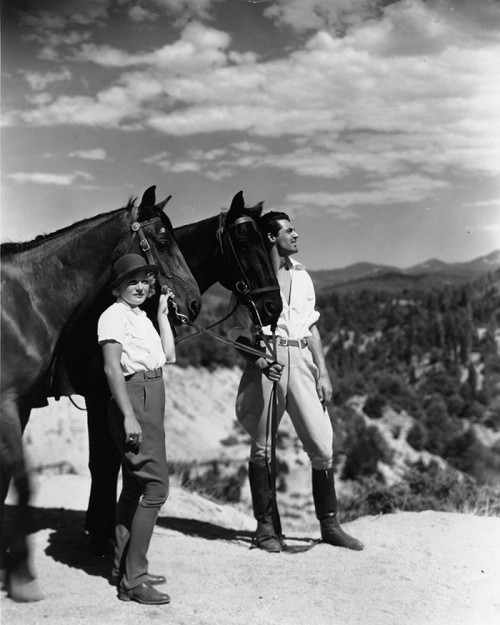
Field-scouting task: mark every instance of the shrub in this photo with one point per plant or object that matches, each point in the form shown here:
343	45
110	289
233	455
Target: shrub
374	406
424	488
219	481
417	436
364	453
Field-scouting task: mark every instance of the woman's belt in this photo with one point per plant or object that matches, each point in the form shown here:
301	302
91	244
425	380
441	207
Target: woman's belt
145	375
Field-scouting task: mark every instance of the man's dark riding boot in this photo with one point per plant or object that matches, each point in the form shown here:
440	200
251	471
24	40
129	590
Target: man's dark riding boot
265	535
325	503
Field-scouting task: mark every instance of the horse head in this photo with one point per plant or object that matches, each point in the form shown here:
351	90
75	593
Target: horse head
249	271
153	235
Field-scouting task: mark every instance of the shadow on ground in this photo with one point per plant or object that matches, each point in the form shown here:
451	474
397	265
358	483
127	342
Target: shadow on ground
202	529
67	542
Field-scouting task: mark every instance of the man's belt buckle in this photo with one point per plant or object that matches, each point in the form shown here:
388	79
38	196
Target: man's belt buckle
292	342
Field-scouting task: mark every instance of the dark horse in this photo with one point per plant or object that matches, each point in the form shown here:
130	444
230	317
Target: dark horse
227	250
46	283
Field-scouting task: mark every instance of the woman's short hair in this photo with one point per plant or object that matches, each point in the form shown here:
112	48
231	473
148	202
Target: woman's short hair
152	290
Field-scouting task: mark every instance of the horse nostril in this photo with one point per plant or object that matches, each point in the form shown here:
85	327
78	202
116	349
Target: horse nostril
194	307
270	308
271	311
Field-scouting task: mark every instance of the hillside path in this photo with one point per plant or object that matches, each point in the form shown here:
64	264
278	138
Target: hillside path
429	568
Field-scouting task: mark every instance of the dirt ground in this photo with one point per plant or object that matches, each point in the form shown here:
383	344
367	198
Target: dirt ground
417	568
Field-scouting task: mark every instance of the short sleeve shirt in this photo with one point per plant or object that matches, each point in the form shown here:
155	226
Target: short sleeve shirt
141	344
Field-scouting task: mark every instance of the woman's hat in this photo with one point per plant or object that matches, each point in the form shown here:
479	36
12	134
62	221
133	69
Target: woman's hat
127	266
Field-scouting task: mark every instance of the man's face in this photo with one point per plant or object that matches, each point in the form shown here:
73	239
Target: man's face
286	239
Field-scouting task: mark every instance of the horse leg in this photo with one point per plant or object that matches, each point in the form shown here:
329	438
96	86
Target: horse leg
104	466
20	580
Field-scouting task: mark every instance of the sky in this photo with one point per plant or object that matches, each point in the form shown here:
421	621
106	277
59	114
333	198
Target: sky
375	124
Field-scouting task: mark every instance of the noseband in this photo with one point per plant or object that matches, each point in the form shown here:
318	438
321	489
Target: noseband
242	287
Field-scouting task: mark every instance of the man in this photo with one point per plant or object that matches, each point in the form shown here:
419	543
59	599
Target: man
303	390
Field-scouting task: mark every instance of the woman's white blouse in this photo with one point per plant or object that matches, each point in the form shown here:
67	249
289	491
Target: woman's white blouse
141	344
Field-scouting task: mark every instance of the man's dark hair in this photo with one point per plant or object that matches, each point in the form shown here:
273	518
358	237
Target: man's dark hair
268	223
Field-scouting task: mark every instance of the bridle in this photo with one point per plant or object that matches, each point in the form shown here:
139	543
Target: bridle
242	285
226	247
242	289
137	229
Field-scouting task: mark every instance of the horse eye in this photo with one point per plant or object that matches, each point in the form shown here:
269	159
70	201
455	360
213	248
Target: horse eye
163	230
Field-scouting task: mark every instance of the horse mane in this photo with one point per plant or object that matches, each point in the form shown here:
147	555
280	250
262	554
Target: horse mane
197	225
14	248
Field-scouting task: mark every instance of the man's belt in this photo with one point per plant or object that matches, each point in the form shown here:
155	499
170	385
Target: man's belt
281	340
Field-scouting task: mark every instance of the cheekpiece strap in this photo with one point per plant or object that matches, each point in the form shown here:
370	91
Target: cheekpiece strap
136	228
220	229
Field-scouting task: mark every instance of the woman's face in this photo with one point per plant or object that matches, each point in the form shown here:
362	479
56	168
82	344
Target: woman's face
135	290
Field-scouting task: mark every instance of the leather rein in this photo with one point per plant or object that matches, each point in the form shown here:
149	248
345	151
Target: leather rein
244	294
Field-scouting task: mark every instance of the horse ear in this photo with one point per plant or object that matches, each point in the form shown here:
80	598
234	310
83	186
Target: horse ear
236	208
255	211
149	198
161	205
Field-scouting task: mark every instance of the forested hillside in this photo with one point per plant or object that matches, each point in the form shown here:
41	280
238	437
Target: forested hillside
426	350
434	354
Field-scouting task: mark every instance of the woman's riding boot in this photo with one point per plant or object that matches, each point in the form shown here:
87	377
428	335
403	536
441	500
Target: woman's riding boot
325	503
265	535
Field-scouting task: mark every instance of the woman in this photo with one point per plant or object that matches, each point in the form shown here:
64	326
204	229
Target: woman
134	354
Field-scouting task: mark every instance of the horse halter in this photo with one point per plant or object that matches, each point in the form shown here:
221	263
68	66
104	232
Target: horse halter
243	290
137	230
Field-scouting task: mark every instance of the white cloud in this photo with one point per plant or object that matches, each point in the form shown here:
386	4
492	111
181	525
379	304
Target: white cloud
250	146
97	154
112	108
493	202
220	174
169	165
327	202
43	21
341	16
395	190
39	81
64	12
138	13
49	179
59	25
198	49
193	162
334	15
39	99
187	10
406	91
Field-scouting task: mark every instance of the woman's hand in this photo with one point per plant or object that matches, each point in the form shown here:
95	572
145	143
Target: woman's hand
163	302
166	334
133	432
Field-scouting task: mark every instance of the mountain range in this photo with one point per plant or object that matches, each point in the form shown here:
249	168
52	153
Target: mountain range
428	274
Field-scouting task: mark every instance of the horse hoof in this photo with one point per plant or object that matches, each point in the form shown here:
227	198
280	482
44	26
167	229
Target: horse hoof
23	591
